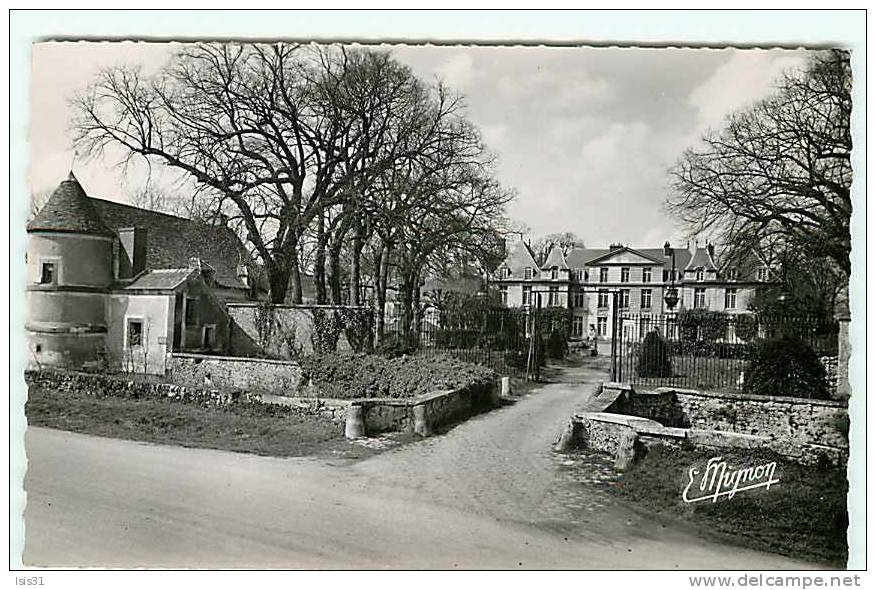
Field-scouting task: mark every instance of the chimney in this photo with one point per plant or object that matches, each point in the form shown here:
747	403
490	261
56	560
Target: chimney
667	249
132	254
615	246
711	248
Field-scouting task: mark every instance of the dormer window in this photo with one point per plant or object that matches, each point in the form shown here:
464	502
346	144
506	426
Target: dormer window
700	274
603	274
763	274
527	273
554	273
732	274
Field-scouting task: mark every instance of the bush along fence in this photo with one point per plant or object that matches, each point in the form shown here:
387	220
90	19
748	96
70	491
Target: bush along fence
746	353
511	341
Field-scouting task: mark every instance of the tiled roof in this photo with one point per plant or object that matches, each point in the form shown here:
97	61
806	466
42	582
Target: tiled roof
164	279
172	241
69	210
519	257
555	258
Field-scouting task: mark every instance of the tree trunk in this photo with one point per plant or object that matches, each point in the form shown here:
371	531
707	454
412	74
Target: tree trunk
382	269
335	272
319	261
278	281
355	265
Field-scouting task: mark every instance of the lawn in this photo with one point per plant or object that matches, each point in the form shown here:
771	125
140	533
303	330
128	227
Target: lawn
244	427
804	516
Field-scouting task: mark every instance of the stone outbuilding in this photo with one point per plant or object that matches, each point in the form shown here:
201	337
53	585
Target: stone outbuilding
115	286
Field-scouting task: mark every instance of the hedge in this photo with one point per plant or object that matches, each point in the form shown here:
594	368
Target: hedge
350	375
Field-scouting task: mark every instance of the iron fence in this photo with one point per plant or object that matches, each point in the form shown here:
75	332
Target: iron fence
497	338
715	353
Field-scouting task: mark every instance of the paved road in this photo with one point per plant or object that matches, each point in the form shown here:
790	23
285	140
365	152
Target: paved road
487	494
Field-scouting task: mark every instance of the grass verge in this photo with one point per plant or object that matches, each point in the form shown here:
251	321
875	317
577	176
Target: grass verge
804	516
260	429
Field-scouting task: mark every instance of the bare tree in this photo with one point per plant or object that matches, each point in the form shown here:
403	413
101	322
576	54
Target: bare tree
777	178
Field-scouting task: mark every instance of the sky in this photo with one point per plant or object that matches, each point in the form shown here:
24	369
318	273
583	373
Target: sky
585	136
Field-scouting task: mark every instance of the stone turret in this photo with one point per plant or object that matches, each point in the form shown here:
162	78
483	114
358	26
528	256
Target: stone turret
69	273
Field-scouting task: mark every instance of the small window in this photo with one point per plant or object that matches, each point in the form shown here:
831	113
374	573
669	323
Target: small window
625	274
527	274
553	297
503	292
603	275
554	273
191	311
763	274
135	333
624	298
527	295
48	273
209	336
700	274
732	274
602	326
646	274
603	298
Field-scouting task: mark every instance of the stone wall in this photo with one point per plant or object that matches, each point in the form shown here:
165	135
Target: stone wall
289	331
397	415
253	375
797	427
103	385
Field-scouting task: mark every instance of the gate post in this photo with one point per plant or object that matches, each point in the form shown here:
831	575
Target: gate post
615	298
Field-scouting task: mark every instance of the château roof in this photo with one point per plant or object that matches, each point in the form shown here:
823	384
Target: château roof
555	258
70	210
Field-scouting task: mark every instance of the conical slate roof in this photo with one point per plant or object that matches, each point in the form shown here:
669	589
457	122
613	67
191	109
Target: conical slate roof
69	210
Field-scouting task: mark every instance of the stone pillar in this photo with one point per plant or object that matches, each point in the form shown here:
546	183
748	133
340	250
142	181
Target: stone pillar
421	423
626	450
506	386
355	424
844	318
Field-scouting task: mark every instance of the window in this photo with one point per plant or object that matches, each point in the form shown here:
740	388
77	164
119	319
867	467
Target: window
554	273
135	333
763	274
603	275
665	275
191	311
577	327
48	273
700	274
579	275
624	298
625	274
646	274
732	274
527	274
503	293
602	326
527	294
699	298
209	336
553	296
646	299
729	298
578	298
603	298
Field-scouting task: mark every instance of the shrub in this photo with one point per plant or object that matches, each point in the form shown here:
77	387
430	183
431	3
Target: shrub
518	358
654	357
557	345
746	327
786	366
393	345
348	376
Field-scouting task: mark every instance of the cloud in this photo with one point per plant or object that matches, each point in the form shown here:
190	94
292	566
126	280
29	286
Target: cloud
457	71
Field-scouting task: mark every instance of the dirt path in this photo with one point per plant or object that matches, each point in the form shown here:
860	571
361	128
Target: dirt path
487	494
